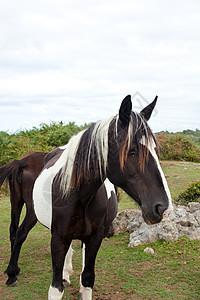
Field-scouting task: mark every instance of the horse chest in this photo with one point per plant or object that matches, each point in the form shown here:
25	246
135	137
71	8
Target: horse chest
76	221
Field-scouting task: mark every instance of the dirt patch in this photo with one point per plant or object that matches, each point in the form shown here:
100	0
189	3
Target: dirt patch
109	292
3	278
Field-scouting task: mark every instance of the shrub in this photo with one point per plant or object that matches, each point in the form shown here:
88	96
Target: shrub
55	134
177	147
17	146
191	194
45	138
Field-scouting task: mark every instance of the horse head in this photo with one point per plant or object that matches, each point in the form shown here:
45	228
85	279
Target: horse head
133	162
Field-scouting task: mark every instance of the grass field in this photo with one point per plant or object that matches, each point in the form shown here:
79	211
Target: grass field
121	272
178	175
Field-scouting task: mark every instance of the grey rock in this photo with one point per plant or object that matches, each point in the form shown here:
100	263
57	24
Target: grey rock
149	250
194	206
123	219
184	221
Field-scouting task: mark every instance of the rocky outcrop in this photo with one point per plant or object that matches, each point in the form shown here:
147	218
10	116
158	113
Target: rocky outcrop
184	221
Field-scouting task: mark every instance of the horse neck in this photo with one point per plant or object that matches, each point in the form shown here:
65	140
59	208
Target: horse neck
91	182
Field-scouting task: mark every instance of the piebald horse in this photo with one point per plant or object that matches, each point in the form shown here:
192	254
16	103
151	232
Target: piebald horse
21	175
124	150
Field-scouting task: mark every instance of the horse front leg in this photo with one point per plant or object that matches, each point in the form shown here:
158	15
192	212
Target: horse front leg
59	249
90	248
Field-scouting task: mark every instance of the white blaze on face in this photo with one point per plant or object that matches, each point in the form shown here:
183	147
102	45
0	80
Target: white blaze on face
151	147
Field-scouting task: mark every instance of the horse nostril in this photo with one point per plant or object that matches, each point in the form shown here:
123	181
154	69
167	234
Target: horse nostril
159	209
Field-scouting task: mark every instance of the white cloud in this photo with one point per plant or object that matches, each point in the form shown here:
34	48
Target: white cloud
61	60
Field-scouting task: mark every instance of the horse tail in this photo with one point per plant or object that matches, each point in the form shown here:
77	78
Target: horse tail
12	172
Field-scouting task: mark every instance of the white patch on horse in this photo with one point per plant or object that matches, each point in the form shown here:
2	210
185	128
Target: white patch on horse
42	190
54	294
42	193
109	188
86	292
42	198
151	146
83	257
68	269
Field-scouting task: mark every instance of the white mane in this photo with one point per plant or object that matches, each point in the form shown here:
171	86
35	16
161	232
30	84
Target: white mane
68	157
98	141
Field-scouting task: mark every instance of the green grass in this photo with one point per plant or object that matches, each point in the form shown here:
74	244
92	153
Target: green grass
121	272
178	175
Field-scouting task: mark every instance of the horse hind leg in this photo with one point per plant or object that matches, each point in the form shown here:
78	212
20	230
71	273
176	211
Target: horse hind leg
16	208
15	217
68	268
12	271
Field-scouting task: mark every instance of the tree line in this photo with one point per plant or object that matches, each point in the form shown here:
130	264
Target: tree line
173	146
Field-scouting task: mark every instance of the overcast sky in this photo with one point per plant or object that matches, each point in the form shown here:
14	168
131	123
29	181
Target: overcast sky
74	60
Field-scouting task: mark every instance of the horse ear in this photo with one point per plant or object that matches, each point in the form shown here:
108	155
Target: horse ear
147	111
125	110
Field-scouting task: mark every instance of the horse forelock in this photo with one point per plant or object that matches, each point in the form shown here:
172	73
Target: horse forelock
145	142
137	129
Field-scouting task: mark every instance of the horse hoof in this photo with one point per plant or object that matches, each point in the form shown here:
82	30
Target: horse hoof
12	284
66	283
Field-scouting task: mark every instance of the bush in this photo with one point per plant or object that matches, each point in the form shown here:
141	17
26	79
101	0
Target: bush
16	146
191	194
45	138
177	147
53	135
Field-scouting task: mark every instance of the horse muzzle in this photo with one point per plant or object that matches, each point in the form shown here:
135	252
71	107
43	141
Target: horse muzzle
157	213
